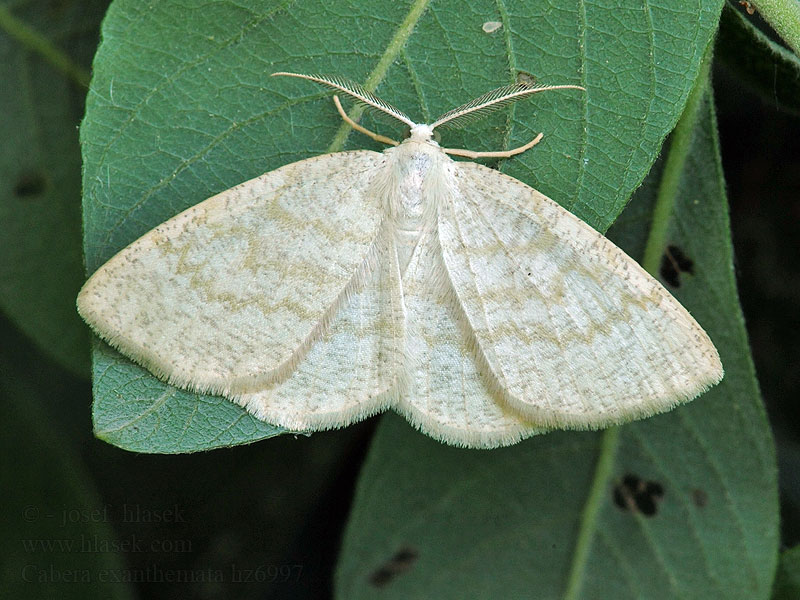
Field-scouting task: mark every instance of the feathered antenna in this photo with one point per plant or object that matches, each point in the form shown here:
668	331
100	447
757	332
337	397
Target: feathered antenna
492	101
355	90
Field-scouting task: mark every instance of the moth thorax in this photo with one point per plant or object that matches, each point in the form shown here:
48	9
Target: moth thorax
410	200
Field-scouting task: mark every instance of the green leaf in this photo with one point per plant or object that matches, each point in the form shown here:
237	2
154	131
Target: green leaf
766	67
787	582
136	411
41	100
682	505
182	107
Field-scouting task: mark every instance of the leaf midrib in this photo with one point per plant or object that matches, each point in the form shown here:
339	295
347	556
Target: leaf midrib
393	50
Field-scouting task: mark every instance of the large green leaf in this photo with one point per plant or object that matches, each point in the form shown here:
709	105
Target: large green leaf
43	47
182	107
683	505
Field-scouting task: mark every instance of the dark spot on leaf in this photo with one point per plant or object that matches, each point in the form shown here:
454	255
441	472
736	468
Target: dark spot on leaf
637	495
673	263
668	272
685	263
748	7
525	77
495	164
401	562
699	497
30	185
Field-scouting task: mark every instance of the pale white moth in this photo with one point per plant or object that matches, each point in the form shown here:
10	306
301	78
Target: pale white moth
339	286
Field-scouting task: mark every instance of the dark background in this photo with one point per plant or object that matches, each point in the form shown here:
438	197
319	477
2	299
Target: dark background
761	158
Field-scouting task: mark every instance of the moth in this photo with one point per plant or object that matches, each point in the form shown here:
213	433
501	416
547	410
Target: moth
336	287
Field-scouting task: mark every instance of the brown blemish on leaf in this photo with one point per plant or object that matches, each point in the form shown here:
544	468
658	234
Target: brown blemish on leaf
401	562
30	185
673	263
700	498
638	495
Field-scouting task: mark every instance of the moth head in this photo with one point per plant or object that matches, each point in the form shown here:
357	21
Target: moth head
422	133
407	134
